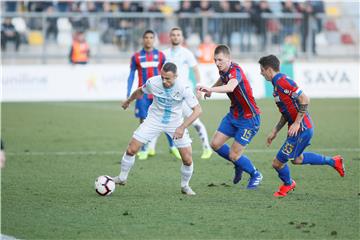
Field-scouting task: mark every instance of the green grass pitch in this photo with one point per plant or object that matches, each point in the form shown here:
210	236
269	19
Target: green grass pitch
56	150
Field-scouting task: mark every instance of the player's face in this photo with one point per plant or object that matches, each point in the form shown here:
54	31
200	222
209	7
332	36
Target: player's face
176	37
148	41
168	78
266	73
222	61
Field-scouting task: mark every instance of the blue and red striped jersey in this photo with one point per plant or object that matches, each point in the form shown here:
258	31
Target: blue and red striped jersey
147	64
242	100
286	93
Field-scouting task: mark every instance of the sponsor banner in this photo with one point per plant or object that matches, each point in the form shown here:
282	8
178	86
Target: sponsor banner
64	82
330	80
109	82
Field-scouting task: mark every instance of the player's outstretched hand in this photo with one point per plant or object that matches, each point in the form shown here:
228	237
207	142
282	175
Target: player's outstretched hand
179	132
293	129
125	104
270	138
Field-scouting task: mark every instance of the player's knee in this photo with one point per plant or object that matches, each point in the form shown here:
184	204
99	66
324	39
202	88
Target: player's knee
131	150
234	156
214	145
297	161
277	164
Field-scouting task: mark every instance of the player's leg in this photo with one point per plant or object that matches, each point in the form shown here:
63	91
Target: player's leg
223	133
186	170
185	150
283	171
143	134
128	161
141	110
313	158
201	131
246	129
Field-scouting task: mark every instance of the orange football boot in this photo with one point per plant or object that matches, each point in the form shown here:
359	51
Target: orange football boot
285	189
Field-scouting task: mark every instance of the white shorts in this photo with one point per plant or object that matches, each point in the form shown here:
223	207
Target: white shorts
147	131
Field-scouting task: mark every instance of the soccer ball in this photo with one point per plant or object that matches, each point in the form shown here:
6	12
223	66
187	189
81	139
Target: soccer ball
104	185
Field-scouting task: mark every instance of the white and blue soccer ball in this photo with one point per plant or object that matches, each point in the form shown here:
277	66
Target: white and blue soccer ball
104	185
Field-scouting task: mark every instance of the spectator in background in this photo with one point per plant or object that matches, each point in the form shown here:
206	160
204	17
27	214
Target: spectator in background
288	50
311	25
80	51
2	155
246	25
226	24
205	8
287	23
9	33
51	28
78	22
205	52
186	23
260	23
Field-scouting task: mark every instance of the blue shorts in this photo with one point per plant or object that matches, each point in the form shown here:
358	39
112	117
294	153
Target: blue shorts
243	130
142	106
294	146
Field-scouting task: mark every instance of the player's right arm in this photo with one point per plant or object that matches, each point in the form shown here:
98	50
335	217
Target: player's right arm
275	130
135	95
204	89
131	76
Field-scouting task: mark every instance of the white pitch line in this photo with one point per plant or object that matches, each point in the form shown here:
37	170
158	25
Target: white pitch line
339	150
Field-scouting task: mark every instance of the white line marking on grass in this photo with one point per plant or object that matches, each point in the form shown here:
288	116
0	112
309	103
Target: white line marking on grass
339	150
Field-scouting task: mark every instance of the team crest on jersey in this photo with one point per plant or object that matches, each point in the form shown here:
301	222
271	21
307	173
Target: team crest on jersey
286	91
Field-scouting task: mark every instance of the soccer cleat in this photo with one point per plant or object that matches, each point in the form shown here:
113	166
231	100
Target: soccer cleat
174	151
206	154
118	181
238	174
151	152
285	189
339	165
143	155
255	180
187	191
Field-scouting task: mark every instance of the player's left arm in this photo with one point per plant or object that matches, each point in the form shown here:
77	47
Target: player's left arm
303	101
179	132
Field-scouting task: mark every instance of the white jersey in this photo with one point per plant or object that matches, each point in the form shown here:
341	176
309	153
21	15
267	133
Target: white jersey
166	108
183	59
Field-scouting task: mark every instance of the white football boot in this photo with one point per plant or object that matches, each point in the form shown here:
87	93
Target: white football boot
118	181
187	191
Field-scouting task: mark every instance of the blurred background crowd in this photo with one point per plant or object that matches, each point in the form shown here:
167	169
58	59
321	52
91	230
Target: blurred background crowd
46	30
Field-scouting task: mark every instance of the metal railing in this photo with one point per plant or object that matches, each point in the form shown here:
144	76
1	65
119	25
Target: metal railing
116	35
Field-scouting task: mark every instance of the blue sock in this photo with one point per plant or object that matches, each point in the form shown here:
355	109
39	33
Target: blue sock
284	174
144	147
245	163
224	152
317	159
170	140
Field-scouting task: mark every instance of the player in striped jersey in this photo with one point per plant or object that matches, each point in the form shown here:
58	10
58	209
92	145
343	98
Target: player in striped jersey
242	122
148	63
292	103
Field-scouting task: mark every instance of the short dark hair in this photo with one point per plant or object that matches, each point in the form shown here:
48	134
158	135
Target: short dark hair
170	67
270	61
222	49
147	32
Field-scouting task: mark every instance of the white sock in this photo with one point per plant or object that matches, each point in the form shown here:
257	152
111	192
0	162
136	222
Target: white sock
201	130
126	164
152	143
186	173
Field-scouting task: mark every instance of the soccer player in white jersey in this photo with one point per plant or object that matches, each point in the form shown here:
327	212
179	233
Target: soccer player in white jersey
165	115
185	59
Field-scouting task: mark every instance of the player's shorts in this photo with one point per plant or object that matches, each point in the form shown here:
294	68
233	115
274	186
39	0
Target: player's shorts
147	131
243	130
142	106
294	146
